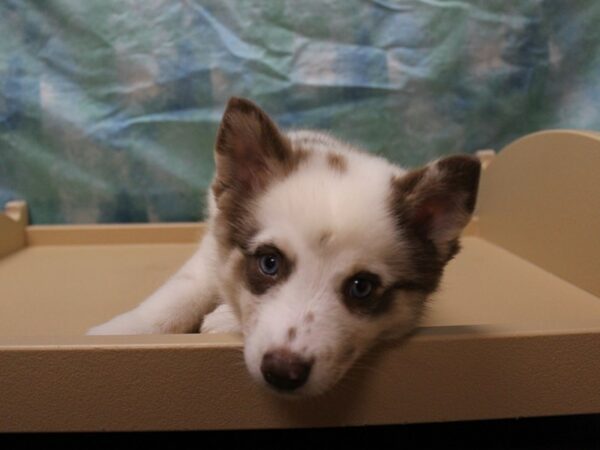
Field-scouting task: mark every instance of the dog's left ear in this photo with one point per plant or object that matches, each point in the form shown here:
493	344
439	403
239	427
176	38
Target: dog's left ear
436	202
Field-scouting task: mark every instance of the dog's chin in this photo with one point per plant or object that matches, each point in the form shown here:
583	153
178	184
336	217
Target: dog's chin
295	395
304	392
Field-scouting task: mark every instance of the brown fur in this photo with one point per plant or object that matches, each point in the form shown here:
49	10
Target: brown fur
325	237
419	197
292	334
337	162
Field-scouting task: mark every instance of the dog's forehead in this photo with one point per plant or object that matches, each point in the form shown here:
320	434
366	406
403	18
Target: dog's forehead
323	206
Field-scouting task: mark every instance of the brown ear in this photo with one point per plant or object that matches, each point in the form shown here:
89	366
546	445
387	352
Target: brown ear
436	202
249	148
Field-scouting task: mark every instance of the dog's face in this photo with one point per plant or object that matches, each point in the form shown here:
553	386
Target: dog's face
325	249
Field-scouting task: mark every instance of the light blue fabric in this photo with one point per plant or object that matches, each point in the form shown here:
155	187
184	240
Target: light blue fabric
108	109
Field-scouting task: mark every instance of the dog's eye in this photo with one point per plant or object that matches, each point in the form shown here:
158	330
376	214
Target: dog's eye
269	264
361	292
360	288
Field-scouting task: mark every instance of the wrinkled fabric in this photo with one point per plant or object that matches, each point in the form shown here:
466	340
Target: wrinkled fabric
109	109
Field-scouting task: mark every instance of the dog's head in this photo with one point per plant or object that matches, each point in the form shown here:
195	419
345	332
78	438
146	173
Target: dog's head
325	249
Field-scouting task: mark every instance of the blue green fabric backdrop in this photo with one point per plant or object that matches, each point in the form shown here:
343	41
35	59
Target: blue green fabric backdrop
108	109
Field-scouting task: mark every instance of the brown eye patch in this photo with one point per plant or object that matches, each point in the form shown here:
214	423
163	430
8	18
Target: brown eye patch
265	268
363	293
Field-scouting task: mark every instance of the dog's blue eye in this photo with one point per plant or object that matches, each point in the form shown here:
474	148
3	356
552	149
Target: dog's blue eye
360	288
269	264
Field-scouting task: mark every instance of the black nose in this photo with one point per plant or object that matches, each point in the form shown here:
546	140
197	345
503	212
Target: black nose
285	370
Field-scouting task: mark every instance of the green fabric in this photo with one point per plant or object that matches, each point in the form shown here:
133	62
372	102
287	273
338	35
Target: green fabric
108	109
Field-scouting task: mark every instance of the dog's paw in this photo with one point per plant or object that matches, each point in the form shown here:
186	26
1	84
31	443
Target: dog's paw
221	320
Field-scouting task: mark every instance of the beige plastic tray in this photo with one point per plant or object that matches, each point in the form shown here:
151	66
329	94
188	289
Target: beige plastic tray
515	330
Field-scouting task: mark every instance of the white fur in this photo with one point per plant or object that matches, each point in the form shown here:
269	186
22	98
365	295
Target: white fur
221	320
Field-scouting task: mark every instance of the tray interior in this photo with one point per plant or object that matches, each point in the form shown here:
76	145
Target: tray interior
61	290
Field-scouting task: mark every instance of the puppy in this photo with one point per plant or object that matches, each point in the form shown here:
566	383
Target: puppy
314	251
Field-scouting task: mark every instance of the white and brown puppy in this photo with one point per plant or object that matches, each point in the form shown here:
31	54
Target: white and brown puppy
314	251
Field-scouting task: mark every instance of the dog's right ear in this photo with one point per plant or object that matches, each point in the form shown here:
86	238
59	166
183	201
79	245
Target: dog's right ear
250	150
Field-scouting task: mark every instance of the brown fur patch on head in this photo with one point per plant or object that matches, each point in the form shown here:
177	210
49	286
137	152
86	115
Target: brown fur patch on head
234	224
337	162
250	154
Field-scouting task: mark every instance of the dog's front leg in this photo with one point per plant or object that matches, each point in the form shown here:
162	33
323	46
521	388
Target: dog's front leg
179	305
221	320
